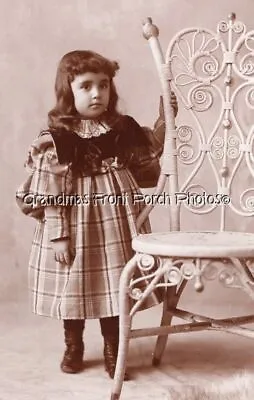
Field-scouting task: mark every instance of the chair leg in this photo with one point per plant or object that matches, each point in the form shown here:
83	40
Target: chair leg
125	323
170	302
161	340
124	338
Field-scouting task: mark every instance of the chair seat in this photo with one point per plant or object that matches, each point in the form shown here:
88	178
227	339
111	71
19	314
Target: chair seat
196	244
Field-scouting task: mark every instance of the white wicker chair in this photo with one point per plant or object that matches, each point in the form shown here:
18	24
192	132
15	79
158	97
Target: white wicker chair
208	162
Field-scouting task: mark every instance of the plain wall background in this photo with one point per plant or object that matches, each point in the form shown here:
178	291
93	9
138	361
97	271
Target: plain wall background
34	36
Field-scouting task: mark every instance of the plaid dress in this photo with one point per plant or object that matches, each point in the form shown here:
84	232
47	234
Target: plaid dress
97	212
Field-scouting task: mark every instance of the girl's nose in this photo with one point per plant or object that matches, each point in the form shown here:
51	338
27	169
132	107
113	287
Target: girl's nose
95	92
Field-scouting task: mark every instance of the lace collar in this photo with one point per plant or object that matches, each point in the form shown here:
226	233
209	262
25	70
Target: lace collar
92	128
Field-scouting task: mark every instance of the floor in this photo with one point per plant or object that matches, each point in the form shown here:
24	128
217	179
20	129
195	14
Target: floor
31	348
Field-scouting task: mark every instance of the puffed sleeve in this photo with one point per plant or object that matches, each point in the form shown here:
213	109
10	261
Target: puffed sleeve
47	183
145	162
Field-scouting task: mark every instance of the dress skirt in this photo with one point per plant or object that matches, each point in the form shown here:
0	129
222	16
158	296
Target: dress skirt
101	225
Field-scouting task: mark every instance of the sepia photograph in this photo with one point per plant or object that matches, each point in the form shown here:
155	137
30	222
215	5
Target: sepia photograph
127	208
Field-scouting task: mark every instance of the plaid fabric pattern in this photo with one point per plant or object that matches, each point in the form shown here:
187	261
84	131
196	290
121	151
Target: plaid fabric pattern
46	178
100	231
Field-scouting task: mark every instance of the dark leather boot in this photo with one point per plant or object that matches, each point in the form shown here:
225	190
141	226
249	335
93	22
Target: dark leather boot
110	333
72	361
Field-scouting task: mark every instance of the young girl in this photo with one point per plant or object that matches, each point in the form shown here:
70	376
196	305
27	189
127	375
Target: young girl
84	173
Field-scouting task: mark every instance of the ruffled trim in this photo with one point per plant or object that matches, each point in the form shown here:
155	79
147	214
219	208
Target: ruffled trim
90	128
39	147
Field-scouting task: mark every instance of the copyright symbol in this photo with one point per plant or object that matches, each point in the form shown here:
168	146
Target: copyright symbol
225	199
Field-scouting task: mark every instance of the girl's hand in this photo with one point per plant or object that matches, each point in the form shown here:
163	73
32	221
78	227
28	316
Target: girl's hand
61	248
173	102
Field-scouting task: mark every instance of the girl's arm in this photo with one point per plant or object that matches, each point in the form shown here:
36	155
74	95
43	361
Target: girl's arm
56	218
58	229
145	165
47	181
158	136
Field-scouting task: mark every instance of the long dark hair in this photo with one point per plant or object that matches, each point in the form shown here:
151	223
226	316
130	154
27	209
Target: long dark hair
64	114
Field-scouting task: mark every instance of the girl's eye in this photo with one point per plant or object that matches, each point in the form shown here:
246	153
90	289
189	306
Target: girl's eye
86	86
104	85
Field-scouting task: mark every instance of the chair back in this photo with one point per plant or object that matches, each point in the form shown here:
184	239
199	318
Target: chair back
208	156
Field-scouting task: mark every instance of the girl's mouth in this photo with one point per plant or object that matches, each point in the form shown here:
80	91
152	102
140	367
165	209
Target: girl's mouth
95	105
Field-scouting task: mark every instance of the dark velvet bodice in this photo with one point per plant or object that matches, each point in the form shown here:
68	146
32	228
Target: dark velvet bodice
87	154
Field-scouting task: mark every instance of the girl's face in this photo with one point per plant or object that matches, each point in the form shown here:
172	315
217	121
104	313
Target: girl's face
91	93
